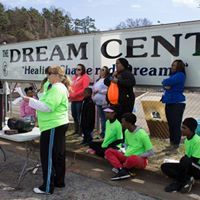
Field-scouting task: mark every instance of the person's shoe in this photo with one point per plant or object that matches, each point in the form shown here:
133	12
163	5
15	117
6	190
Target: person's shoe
122	174
188	185
115	170
171	147
173	187
172	152
39	191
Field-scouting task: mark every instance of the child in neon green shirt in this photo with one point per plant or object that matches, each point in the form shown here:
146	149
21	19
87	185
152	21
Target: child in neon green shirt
188	167
137	149
113	133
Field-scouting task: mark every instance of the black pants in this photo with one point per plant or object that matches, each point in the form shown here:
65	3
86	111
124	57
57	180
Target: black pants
98	149
125	107
174	115
182	171
87	135
52	155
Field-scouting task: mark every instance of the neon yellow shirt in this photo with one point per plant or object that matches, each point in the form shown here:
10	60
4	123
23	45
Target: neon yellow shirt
138	142
57	100
113	132
192	147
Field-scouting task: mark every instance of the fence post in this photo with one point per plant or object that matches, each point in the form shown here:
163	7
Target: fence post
1	105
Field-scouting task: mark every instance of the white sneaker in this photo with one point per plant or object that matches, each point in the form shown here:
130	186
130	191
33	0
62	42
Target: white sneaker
38	191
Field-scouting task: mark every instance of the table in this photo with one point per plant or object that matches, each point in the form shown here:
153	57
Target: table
22	138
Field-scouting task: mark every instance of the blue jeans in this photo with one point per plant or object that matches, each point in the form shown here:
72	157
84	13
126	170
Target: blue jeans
103	119
76	110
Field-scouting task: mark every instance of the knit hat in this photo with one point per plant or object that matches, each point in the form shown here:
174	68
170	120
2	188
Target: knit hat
191	123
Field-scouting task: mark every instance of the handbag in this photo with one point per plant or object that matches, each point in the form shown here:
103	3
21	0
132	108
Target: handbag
21	125
113	93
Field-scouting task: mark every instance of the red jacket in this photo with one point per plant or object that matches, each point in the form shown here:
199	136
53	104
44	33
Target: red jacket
79	83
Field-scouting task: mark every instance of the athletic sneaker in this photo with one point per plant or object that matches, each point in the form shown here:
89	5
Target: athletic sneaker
170	148
115	170
188	186
173	187
122	174
38	191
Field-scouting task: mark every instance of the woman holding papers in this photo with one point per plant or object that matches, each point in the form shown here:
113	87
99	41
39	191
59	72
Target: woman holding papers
52	112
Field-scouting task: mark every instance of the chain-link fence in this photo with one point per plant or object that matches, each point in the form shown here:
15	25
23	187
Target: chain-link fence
149	110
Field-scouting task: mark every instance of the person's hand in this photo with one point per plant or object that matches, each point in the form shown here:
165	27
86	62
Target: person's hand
167	87
25	98
114	80
115	73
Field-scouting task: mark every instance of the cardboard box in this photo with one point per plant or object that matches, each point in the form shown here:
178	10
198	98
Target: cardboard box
155	117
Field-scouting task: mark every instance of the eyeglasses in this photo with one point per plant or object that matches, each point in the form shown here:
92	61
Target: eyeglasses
78	69
51	73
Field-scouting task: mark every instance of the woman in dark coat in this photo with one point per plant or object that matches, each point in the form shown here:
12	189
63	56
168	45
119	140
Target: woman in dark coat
125	81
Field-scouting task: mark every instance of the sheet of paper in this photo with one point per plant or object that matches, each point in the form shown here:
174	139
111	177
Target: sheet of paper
170	160
17	101
19	90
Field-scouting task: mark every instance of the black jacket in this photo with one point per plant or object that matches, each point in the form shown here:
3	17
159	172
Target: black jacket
88	114
126	82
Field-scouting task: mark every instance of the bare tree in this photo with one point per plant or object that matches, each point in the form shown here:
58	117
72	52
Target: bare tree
132	23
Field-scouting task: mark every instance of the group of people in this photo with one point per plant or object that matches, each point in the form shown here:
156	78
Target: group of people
125	145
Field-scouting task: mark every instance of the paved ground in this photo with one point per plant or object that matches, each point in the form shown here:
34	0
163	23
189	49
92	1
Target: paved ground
88	178
78	187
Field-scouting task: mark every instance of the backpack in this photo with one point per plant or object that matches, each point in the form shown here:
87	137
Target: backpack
113	93
21	125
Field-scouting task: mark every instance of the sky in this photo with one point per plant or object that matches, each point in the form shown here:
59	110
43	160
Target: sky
109	13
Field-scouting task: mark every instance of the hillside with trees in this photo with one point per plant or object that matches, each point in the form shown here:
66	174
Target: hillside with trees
21	24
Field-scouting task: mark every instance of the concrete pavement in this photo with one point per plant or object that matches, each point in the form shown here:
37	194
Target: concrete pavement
149	182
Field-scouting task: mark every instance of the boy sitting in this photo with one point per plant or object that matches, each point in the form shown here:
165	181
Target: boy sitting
188	168
113	134
137	149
